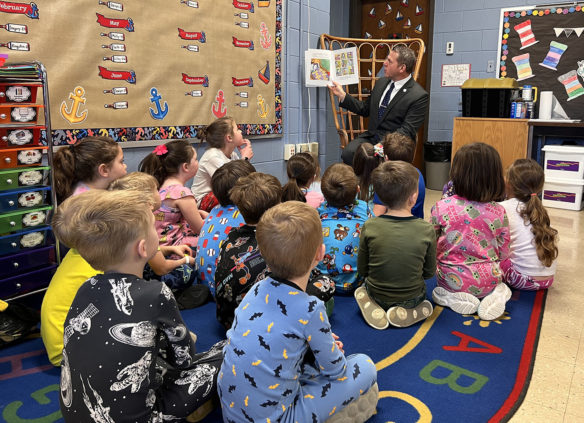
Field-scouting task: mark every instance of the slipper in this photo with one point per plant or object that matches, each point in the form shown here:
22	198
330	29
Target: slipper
359	410
402	317
461	302
373	314
492	306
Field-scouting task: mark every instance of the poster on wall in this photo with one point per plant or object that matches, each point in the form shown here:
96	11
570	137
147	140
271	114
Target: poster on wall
151	70
543	46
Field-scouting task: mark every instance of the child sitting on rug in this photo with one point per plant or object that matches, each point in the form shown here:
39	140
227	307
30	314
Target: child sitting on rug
534	243
283	363
178	220
178	272
221	219
397	252
367	157
398	146
342	217
473	235
241	263
301	170
224	139
127	353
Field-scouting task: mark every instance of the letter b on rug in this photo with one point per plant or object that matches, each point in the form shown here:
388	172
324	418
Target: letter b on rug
454	375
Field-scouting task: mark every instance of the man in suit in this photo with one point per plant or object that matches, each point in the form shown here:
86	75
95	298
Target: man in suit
397	102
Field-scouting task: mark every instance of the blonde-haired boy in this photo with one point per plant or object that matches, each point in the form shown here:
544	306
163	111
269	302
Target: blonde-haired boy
119	325
178	270
267	374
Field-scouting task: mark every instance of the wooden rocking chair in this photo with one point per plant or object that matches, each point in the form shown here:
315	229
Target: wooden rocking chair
370	55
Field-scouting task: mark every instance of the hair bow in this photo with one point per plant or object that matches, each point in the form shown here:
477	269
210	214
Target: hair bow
378	150
160	150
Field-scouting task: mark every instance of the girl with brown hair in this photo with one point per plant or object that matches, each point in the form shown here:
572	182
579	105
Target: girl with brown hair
534	243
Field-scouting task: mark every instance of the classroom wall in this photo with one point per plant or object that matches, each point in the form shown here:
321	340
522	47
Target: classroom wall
473	26
269	152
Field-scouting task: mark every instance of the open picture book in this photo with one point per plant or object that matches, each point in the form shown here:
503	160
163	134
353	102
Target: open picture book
322	67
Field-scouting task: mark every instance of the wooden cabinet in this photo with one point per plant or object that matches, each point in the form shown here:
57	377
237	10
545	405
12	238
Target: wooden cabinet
508	136
28	254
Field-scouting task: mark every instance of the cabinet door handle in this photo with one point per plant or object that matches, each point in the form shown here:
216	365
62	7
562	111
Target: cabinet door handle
15	265
18	285
13	244
3	116
9	181
11	203
12	223
8	160
2	94
5	138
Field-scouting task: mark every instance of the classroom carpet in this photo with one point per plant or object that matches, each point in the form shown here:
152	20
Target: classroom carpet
451	367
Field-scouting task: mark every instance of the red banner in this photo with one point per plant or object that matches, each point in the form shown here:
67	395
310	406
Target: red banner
126	24
198	36
195	80
242	43
128	76
240	82
31	10
244	5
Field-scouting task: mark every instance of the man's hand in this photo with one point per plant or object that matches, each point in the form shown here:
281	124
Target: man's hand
246	150
337	90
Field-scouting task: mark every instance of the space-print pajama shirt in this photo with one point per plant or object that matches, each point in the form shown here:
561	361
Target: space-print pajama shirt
281	362
129	357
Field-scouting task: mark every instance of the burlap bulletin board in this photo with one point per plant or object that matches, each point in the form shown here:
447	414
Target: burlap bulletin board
152	70
543	46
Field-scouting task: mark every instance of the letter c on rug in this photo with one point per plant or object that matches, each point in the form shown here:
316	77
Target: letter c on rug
419	406
455	373
40	396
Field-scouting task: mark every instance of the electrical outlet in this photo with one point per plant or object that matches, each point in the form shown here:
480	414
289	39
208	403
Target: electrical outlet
303	148
314	148
491	66
289	151
450	47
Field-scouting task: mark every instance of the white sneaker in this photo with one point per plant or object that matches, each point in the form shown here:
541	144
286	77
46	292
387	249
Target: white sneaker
461	302
493	305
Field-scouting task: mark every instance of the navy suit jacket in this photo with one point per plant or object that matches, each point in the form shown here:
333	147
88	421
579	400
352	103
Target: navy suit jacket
405	113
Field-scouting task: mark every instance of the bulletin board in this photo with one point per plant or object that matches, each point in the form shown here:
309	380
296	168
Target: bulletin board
543	46
151	70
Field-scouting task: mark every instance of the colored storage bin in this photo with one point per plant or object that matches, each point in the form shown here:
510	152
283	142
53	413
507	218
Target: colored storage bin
18	93
13	243
564	161
24	198
563	193
26	282
20	157
25	113
27	260
20	136
24	219
24	177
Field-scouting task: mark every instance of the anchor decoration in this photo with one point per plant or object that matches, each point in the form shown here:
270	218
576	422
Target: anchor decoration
219	108
161	111
265	37
72	115
263	108
264	73
29	10
127	24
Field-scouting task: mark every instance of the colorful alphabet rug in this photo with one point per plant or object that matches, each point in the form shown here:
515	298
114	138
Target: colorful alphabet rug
450	368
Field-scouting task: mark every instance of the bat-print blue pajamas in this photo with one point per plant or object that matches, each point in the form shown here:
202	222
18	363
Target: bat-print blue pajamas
266	374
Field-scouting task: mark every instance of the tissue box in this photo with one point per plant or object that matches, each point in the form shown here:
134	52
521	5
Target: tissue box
564	161
563	193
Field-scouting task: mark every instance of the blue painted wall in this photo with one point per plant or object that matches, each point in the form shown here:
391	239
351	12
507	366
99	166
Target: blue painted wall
269	153
473	26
